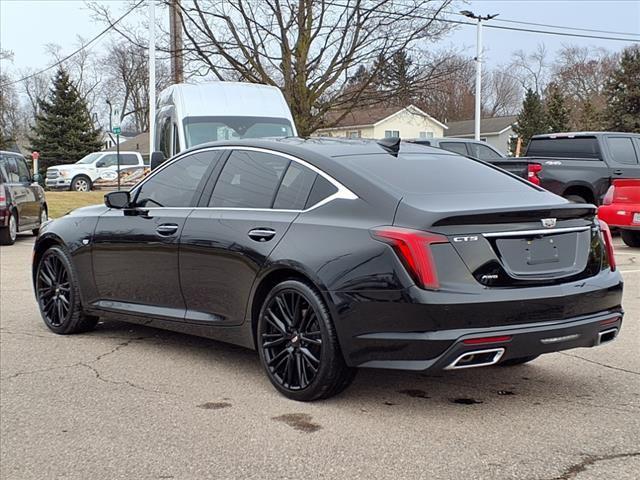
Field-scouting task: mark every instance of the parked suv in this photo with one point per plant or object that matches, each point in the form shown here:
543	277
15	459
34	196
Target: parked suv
81	175
22	202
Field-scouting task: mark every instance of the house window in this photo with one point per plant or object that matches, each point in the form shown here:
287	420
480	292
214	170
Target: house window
354	134
391	133
426	134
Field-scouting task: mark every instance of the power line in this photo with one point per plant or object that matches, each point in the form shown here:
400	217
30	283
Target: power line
487	25
559	26
83	47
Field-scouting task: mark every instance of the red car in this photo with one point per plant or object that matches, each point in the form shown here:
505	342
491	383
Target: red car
621	209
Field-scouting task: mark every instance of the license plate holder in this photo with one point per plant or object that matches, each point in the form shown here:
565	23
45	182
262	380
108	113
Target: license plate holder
540	250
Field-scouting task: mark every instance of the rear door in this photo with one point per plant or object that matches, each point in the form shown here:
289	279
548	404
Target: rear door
623	156
225	242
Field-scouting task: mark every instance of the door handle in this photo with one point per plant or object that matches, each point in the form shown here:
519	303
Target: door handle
167	229
618	171
262	234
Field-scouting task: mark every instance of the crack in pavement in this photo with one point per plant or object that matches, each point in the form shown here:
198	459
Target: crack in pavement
98	374
588	460
598	363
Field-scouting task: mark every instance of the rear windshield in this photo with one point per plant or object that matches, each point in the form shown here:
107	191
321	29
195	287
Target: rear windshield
210	129
577	147
417	173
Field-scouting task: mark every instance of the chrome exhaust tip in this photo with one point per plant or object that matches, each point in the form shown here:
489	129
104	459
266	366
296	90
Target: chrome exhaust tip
607	336
476	358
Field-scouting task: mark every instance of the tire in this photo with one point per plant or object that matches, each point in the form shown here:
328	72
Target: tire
518	361
631	238
298	346
9	233
576	199
81	183
43	218
58	294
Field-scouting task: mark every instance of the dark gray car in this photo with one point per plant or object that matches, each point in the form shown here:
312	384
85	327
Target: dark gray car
23	206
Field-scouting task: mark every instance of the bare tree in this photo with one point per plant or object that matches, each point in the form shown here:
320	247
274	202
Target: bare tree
128	76
308	48
503	94
531	69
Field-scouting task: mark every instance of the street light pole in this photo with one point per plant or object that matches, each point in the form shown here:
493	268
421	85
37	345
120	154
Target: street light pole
478	112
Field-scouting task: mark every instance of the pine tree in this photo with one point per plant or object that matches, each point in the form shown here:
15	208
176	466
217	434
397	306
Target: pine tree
531	119
557	110
63	131
623	94
590	119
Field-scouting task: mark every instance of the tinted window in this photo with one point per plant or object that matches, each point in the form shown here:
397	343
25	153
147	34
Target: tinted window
176	184
578	147
322	188
107	161
249	180
622	150
456	147
128	159
206	129
23	170
416	173
295	187
11	168
483	152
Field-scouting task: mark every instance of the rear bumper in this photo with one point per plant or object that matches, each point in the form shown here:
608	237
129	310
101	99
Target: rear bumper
520	341
414	329
619	215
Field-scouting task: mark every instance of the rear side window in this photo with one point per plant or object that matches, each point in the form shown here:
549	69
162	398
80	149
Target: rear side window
11	169
455	147
622	150
577	147
249	180
295	187
176	185
23	171
483	152
128	159
322	188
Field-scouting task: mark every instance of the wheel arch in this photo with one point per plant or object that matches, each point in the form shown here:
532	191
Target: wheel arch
582	189
41	246
78	175
272	276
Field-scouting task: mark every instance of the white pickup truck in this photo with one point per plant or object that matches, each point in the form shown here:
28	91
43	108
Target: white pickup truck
81	175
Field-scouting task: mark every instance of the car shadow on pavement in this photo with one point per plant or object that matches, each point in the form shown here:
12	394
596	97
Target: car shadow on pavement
550	379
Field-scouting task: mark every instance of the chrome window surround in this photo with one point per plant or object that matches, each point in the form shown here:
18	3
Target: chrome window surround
343	192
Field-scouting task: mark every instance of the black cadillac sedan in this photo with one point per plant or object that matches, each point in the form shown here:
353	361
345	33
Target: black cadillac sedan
327	255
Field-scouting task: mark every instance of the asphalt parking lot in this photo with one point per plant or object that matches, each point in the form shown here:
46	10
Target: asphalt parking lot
134	402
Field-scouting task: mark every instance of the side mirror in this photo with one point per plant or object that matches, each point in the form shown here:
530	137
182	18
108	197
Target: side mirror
157	159
100	164
117	200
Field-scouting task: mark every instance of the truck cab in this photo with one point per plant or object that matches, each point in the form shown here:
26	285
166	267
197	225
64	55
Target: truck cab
80	176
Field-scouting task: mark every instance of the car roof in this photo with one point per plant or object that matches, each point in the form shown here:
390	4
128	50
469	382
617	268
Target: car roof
583	134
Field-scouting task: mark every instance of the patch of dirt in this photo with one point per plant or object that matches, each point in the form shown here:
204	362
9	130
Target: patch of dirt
299	421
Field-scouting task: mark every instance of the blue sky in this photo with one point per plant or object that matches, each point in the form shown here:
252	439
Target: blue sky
26	26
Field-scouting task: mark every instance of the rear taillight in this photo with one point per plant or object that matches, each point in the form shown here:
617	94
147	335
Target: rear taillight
608	197
608	243
413	248
533	169
3	199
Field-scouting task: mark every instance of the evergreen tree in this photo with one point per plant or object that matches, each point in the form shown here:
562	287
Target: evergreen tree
557	110
623	94
590	119
63	131
531	119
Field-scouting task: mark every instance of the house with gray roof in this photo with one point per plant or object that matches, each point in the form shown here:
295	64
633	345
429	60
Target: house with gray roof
496	131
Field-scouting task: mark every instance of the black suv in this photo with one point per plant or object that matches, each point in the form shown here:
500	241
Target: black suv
23	206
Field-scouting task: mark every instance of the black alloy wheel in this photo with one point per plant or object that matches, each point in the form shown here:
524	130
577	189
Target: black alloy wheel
57	293
298	344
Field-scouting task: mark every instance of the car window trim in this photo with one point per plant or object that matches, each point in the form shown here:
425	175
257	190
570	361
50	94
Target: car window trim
343	193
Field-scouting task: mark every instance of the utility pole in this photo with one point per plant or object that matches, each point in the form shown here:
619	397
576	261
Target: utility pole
152	75
175	33
478	112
